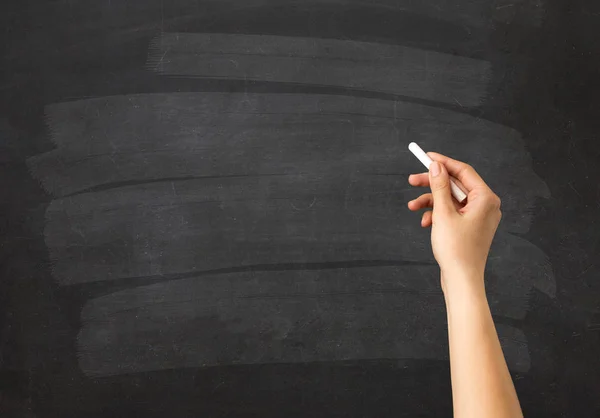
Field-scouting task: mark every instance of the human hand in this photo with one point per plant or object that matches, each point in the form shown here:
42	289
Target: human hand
461	234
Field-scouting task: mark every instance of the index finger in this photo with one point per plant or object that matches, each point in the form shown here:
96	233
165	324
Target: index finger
461	171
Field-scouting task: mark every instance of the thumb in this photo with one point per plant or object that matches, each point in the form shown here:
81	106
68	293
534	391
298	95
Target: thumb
439	180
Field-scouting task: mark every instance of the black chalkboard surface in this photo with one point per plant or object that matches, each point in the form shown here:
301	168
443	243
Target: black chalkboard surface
204	203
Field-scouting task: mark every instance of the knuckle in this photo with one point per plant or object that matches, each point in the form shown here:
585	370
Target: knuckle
468	169
492	201
495	201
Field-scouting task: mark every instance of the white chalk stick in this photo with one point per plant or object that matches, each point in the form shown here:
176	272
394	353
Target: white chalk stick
457	192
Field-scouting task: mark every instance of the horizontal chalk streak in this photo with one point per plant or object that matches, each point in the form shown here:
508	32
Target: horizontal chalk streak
272	317
269	282
208	232
81	122
369	66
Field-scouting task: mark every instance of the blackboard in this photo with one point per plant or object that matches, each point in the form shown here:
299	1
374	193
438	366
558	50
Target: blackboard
204	203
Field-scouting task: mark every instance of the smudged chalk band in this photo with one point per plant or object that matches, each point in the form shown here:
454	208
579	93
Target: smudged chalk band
279	317
325	62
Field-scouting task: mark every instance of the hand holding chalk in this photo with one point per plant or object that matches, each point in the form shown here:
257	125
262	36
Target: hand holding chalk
461	235
457	192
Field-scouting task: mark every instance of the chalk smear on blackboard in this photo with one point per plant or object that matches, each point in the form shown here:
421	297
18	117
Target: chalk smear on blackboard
219	192
200	191
271	317
357	65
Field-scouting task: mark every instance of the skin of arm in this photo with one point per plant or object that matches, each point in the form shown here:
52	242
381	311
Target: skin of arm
461	236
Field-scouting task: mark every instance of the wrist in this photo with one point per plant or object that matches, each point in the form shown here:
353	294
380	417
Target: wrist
463	285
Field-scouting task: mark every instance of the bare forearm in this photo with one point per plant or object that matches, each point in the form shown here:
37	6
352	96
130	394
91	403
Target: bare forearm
481	382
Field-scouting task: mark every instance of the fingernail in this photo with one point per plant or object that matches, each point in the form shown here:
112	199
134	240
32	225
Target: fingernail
435	169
